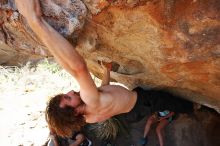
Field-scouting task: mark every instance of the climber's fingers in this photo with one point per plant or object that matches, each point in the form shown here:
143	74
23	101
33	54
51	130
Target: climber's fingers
107	65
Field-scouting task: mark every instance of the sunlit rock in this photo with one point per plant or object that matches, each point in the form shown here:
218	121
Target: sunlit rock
166	44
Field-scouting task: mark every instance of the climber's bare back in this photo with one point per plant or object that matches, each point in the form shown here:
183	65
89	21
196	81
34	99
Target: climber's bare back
114	100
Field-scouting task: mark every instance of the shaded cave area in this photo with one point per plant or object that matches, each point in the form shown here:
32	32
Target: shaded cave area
200	128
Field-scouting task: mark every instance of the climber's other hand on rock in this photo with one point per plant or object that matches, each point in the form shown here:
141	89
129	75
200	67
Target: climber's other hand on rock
106	65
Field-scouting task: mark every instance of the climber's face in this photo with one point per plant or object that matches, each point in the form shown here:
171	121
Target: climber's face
71	98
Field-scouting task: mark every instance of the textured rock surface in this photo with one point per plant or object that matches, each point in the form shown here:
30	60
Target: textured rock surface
170	44
165	44
67	17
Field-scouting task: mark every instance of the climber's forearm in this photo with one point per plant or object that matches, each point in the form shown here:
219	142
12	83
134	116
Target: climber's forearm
60	48
69	59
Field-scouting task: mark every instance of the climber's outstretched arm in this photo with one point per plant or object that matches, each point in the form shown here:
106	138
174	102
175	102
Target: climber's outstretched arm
64	53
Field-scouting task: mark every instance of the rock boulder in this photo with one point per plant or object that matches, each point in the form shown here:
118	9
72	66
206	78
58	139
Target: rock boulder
165	44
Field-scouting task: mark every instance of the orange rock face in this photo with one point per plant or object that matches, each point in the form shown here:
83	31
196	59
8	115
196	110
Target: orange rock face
165	44
168	44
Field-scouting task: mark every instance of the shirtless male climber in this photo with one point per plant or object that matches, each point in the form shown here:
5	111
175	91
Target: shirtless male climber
68	112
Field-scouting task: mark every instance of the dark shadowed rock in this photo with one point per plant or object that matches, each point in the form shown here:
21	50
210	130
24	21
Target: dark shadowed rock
198	129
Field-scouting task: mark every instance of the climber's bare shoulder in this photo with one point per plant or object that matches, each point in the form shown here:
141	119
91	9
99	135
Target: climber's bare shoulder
114	100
